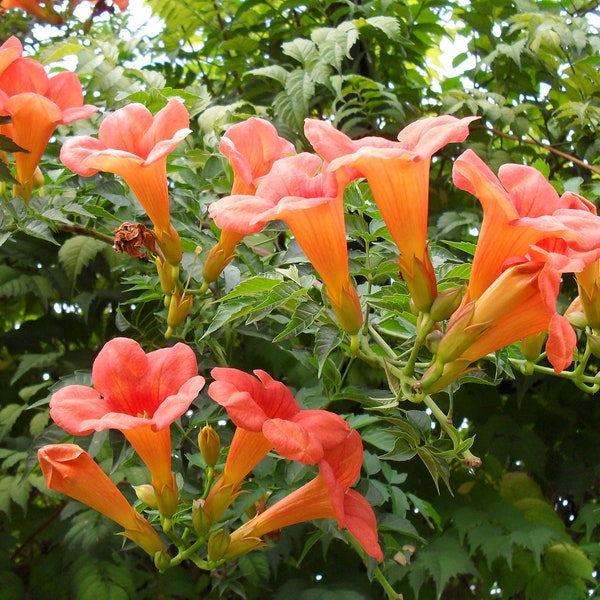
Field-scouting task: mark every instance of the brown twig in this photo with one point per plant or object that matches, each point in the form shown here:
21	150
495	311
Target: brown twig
547	147
68	228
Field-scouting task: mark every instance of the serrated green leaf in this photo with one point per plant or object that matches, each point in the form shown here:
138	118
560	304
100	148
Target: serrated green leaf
29	362
253	285
38	229
78	252
302	318
100	579
230	311
8	416
442	559
255	567
8	145
327	339
389	25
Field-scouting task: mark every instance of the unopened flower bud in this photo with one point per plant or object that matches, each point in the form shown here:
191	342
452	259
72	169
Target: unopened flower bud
218	544
200	519
445	303
168	275
38	178
170	245
162	561
210	445
594	344
146	494
432	341
577	319
532	346
179	309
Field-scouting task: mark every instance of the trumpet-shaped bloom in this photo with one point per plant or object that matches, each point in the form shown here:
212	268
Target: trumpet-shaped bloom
326	496
251	147
134	144
141	395
520	208
71	471
398	174
310	201
36	104
528	238
266	416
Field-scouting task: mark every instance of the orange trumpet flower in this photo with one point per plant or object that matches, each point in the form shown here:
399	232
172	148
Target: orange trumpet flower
139	394
71	471
36	104
398	174
134	144
310	201
267	417
251	148
528	238
326	496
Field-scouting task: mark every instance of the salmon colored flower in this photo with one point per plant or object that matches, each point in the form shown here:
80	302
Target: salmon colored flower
326	496
528	238
267	417
310	201
398	174
251	147
36	104
134	145
139	394
71	471
520	208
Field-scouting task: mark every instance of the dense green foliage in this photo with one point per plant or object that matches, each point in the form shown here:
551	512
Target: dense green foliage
526	523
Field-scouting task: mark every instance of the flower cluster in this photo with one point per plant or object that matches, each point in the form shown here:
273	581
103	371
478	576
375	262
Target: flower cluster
142	394
529	238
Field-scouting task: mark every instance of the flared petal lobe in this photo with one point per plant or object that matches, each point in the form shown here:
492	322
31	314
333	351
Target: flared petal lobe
71	471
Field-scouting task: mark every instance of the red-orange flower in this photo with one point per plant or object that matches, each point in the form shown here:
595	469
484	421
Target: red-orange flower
520	209
326	496
36	104
398	174
251	148
267	417
71	471
310	200
141	395
528	238
134	144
